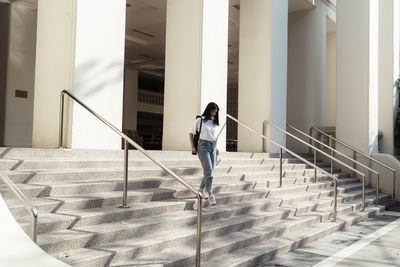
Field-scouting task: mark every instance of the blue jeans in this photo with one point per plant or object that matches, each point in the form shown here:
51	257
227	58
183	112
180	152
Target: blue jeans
207	154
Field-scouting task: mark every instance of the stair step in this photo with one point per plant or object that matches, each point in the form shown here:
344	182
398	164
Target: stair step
35	176
176	240
65	164
77	193
265	250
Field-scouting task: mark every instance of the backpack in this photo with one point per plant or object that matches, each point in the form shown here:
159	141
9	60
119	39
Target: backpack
196	137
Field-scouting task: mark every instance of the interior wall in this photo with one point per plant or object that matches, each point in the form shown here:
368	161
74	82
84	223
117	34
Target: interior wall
130	99
20	74
4	37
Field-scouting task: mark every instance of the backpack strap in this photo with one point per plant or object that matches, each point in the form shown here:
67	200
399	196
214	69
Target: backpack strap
201	122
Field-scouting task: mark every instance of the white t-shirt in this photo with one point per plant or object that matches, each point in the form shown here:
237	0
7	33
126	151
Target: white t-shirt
207	129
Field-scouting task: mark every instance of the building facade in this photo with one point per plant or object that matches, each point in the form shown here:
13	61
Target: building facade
149	67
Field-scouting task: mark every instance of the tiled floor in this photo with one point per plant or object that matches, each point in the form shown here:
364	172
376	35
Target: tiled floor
374	242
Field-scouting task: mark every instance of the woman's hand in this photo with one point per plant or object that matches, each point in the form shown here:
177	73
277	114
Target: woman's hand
194	152
217	152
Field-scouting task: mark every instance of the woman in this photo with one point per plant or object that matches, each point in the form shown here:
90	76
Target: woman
206	149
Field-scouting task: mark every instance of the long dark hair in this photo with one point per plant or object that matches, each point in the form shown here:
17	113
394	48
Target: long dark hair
207	112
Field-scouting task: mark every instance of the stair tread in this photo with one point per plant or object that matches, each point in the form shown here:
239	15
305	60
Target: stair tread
209	244
89	231
129	244
77	194
66	215
289	240
153	220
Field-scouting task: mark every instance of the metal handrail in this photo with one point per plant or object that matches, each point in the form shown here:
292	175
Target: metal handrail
325	154
127	140
296	156
344	155
25	201
361	153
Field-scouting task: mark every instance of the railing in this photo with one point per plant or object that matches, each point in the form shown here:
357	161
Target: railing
27	204
325	154
296	156
333	151
127	140
355	151
150	97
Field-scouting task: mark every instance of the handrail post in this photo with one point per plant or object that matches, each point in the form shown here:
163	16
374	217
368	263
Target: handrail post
25	202
61	120
126	160
377	191
198	241
335	200
264	143
354	164
34	224
287	150
126	150
332	154
363	193
394	185
315	165
280	167
355	152
309	148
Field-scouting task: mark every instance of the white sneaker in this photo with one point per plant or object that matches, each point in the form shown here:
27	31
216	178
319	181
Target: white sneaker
211	198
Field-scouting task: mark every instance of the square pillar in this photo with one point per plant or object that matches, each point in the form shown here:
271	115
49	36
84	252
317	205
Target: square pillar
389	56
357	73
262	71
195	67
80	47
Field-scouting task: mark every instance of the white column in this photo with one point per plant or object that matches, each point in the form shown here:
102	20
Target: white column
262	70
53	68
98	72
130	99
389	49
307	71
330	115
4	33
357	73
91	65
195	66
21	74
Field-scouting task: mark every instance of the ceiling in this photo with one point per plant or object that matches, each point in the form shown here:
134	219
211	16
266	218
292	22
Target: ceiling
145	35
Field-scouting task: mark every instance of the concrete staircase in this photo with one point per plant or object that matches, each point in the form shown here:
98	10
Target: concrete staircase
77	193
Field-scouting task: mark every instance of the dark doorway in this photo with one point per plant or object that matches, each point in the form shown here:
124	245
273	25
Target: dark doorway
149	126
4	40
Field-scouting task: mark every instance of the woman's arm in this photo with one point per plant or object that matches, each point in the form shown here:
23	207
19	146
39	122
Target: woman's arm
192	144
